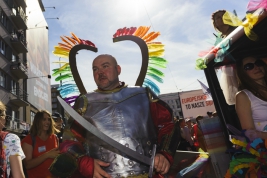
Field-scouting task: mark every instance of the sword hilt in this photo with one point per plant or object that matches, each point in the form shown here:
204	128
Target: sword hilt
151	167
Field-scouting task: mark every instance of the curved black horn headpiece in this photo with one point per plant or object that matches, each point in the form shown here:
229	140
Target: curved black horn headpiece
73	65
144	50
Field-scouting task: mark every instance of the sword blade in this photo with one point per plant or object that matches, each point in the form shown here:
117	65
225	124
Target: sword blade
117	147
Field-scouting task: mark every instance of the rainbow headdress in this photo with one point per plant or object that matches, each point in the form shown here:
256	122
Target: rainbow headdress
68	89
152	59
152	55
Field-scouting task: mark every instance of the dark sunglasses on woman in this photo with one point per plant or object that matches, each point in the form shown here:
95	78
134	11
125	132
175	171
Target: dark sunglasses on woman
250	66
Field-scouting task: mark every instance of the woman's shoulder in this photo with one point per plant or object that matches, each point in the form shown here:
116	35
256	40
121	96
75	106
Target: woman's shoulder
11	139
242	94
242	99
53	137
27	139
11	136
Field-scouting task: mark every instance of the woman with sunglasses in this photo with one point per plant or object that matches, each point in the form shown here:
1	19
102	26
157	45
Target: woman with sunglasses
251	100
41	146
11	152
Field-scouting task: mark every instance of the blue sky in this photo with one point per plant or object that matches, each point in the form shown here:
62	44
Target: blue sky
185	28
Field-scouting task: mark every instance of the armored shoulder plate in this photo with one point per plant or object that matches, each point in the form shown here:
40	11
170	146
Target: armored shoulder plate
81	105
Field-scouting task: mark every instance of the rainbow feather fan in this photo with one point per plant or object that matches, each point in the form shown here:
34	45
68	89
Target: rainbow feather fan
155	51
151	73
68	90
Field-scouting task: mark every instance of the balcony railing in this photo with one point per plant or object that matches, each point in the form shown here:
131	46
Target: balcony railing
23	125
13	125
19	97
16	124
19	69
19	18
18	41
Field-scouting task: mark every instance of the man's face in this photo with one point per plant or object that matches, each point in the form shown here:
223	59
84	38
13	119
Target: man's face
219	24
106	72
58	123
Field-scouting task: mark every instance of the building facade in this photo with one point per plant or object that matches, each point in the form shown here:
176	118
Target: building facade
56	107
38	83
173	100
15	74
13	62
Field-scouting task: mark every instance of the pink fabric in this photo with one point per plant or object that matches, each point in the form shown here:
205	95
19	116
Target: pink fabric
256	4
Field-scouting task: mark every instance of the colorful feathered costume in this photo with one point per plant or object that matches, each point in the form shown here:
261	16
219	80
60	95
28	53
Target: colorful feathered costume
138	118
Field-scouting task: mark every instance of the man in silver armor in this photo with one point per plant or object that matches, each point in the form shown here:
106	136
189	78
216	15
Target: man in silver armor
133	116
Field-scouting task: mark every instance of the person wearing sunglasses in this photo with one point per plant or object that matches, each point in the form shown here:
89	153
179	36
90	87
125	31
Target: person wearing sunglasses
251	100
58	124
11	151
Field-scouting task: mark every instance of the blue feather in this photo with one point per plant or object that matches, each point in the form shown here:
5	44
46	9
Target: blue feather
62	87
68	91
152	86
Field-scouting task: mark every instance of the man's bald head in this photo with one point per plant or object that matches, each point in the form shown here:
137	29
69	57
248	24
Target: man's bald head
112	59
106	72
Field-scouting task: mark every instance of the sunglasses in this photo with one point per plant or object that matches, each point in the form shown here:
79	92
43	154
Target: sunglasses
56	119
250	66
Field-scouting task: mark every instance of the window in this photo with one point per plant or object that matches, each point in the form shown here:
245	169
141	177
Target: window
15	115
14	57
2	79
6	22
8	111
54	94
32	116
14	87
3	18
54	100
2	47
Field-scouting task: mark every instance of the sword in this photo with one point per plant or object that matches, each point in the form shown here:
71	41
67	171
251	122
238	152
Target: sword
116	146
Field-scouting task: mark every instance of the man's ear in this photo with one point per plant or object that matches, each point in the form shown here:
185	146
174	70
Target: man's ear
119	69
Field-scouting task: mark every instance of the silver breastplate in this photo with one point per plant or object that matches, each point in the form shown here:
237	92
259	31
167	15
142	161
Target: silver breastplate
125	117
